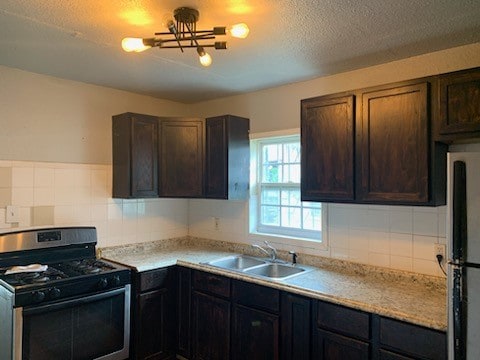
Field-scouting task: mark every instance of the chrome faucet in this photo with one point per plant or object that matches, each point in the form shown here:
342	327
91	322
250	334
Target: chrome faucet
272	253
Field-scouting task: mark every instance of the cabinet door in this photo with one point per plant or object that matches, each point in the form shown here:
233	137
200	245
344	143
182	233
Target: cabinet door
331	346
393	155
135	156
216	164
184	290
460	103
411	340
255	334
327	139
211	327
153	337
227	164
181	157
295	311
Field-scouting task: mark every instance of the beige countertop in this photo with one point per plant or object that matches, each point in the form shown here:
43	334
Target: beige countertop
400	295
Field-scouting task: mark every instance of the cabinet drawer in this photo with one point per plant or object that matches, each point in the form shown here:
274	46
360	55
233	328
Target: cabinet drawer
412	340
153	279
211	283
343	320
256	296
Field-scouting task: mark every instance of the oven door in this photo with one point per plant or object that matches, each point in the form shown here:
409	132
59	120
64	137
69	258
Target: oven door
91	327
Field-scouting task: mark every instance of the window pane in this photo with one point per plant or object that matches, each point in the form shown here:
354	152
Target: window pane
312	219
270	174
271	215
292	174
271	196
292	153
291	217
291	197
271	153
312	204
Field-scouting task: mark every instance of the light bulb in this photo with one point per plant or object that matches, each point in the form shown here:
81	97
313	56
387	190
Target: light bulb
239	30
204	57
134	44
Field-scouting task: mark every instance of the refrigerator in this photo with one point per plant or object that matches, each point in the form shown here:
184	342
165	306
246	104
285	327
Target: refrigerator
463	252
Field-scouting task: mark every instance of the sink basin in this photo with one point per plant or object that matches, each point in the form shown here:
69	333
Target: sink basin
259	267
239	262
276	271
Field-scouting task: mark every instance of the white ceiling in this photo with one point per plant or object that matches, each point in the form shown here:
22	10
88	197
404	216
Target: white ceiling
289	41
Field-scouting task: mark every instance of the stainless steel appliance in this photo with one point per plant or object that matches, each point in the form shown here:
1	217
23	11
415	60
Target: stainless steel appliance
463	232
57	301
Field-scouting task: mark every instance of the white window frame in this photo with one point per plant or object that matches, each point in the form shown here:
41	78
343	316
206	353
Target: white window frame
283	238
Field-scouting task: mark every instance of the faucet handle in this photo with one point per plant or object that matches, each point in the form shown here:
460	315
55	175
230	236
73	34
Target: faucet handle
294	256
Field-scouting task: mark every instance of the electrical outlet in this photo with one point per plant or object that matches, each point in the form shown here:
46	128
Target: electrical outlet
12	214
216	223
440	250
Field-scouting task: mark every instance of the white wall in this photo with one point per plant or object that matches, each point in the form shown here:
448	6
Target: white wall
55	156
50	119
398	237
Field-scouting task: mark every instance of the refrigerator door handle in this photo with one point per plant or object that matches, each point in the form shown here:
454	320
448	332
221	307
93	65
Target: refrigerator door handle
459	209
459	325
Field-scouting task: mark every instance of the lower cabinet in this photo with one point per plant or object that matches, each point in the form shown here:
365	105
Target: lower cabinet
256	322
400	340
328	345
211	314
340	332
214	317
153	318
295	338
255	334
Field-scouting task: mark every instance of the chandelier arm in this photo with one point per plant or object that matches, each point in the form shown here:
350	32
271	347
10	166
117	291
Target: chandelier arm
187	46
193	37
188	39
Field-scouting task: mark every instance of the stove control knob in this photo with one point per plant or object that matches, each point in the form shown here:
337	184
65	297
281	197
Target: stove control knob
115	281
54	293
102	283
38	296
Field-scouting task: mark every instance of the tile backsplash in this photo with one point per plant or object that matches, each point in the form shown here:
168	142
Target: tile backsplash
396	237
60	194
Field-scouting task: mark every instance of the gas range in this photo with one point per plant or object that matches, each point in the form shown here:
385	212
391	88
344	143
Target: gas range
51	281
68	254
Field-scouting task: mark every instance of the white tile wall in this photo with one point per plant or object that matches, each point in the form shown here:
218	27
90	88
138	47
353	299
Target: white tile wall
78	194
397	237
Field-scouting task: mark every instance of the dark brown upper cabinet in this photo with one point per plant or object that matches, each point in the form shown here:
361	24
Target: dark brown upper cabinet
327	140
180	157
181	152
135	159
227	158
372	146
459	105
393	148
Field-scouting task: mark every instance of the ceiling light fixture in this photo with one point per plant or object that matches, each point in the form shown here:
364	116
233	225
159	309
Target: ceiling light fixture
183	34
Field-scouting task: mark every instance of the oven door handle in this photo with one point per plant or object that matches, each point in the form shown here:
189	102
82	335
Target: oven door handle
73	302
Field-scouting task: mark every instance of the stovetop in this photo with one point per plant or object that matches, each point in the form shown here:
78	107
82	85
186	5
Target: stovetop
73	270
63	270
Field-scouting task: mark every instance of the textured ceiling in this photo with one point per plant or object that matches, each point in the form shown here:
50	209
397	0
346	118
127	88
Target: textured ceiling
289	41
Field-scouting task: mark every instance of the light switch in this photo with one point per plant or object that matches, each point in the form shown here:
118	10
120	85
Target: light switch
12	214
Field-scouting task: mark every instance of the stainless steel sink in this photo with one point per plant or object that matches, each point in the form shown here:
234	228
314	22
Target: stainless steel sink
259	267
237	262
276	271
